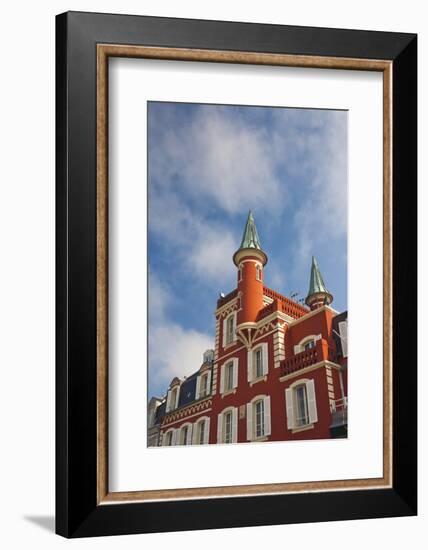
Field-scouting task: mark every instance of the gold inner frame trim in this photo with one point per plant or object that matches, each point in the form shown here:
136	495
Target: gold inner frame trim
104	51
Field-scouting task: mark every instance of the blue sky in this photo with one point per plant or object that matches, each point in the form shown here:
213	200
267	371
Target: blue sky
210	164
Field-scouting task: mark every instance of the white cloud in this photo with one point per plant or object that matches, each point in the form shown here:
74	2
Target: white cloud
221	159
173	350
217	163
203	247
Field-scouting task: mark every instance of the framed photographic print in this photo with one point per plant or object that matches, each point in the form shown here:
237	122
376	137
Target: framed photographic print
236	252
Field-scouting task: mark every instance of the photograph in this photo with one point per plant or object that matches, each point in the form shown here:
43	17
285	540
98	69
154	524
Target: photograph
247	274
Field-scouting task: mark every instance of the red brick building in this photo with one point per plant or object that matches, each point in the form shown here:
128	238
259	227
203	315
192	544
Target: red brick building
278	370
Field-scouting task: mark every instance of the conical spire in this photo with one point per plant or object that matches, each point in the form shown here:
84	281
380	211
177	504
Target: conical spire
250	241
318	294
250	238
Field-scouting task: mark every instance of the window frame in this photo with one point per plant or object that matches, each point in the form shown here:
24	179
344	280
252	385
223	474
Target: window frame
225	416
230	334
291	405
301	391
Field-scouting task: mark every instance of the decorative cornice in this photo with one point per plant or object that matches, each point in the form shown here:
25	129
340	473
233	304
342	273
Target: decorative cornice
184	412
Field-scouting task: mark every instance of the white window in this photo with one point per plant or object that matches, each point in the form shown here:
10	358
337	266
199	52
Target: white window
201	431
240	273
308	342
343	331
258	418
169	438
227	426
258	272
301	404
186	434
229	325
229	375
203	385
257	360
229	330
259	423
309	345
172	399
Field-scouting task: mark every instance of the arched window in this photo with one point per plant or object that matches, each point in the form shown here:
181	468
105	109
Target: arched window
257	362
258	272
258	418
169	438
301	406
229	375
227	426
300	398
230	329
201	431
309	345
183	435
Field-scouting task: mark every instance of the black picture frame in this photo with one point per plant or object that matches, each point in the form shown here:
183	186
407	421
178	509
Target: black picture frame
77	511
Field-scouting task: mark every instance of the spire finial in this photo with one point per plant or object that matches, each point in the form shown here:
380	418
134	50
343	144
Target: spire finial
250	240
318	295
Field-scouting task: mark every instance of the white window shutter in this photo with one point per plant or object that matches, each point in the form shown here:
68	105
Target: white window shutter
195	430
234	327
265	358
207	431
174	437
209	383
222	379
289	408
189	435
177	397
312	404
168	401
267	420
249	421
235	425
250	366
296	349
224	332
235	373
219	428
343	331
198	387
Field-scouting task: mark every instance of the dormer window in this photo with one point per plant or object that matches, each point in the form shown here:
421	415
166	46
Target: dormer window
172	399
204	385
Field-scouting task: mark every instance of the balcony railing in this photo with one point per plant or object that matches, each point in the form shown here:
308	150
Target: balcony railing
286	305
339	412
299	361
